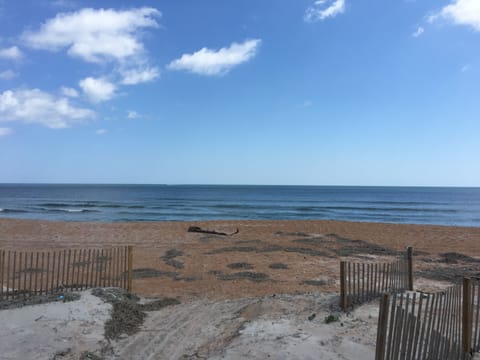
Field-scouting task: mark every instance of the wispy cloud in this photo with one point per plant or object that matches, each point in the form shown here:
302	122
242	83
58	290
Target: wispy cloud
95	35
460	12
68	91
5	131
135	76
465	68
11	53
324	9
420	30
34	106
133	115
216	62
101	131
7	75
97	89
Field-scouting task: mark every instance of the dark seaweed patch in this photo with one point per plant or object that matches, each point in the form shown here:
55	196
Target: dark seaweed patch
174	263
233	249
244	275
449	273
269	248
127	315
254	241
240	265
172	253
169	258
279	266
315	282
454	258
149	273
281	233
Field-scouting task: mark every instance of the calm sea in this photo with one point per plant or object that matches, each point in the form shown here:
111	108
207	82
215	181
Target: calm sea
414	205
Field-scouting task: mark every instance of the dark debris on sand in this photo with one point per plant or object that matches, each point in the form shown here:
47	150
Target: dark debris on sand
149	273
278	266
174	263
268	249
127	314
316	282
37	299
172	253
453	274
243	275
281	233
169	258
240	265
455	258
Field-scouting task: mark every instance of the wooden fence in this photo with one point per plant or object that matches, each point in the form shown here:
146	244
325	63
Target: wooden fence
27	273
442	325
362	282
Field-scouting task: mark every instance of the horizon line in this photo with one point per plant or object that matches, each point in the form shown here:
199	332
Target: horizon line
213	184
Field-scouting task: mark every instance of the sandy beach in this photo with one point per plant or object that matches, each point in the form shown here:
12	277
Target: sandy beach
263	258
264	290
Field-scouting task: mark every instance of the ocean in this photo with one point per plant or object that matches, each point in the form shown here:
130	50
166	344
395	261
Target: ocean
107	203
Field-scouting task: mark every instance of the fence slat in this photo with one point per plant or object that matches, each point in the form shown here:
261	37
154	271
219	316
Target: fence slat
475	338
2	272
31	273
467	315
382	327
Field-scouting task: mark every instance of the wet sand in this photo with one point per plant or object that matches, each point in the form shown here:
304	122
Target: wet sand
263	258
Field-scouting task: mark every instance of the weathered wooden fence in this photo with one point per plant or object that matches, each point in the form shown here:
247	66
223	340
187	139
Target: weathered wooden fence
362	282
437	326
27	273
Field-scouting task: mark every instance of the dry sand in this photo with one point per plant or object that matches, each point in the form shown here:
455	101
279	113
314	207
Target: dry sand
276	327
245	296
267	257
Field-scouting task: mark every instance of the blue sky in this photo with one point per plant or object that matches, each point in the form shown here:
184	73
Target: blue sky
333	92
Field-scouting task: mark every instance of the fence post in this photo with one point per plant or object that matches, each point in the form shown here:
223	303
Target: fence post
410	267
130	268
467	316
382	327
343	285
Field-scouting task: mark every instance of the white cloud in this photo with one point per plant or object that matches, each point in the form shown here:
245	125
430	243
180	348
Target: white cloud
140	75
216	62
133	115
323	9
34	106
97	89
11	53
7	75
460	12
418	32
95	35
101	131
70	92
5	131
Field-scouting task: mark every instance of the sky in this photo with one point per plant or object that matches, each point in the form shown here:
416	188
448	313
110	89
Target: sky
304	92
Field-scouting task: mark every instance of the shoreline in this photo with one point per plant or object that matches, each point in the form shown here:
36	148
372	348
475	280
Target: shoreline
234	220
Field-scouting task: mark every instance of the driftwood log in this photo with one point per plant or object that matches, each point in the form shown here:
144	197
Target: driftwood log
198	229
